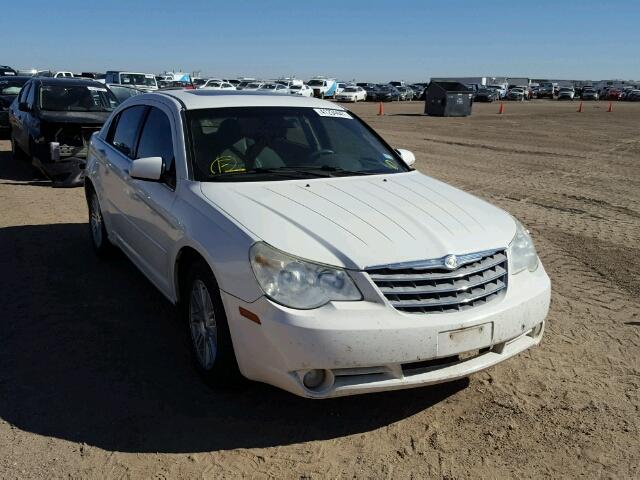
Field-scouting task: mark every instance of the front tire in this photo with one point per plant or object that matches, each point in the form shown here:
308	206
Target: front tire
99	237
16	151
204	315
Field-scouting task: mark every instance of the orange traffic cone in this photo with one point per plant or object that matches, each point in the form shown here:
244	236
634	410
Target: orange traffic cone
610	109
380	109
501	110
580	107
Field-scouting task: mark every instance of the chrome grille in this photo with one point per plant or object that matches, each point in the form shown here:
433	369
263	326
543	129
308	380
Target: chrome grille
430	287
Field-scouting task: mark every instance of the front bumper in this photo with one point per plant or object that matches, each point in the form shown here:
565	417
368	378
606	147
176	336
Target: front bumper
65	167
366	347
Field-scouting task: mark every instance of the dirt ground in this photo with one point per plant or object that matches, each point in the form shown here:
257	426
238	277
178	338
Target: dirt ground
94	382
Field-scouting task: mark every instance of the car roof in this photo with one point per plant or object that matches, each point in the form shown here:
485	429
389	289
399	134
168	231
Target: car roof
196	99
16	77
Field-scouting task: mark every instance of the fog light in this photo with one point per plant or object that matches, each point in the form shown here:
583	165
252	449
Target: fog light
314	378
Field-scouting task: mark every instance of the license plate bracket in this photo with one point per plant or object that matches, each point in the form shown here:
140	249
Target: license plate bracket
453	342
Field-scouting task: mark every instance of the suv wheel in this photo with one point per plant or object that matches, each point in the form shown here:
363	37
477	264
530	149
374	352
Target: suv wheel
211	346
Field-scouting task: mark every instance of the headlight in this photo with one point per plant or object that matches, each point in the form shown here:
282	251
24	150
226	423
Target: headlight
298	283
522	251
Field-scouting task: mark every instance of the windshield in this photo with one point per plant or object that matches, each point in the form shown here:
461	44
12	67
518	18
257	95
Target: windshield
268	86
253	85
10	86
282	143
350	89
316	83
295	87
137	79
76	98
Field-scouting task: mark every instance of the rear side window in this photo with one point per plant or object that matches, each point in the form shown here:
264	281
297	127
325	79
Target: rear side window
123	134
156	141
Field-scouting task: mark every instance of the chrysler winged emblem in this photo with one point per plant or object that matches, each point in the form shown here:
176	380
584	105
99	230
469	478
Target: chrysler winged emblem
451	262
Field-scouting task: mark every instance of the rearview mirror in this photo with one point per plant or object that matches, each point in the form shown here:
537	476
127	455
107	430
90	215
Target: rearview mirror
23	107
407	156
148	168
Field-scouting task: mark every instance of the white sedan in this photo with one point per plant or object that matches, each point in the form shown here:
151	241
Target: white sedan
303	250
215	84
301	90
352	94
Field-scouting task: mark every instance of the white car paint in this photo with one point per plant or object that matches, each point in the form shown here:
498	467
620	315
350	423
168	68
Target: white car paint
215	84
301	90
352	94
351	222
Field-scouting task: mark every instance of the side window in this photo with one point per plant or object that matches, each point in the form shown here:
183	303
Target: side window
123	137
156	140
25	92
31	96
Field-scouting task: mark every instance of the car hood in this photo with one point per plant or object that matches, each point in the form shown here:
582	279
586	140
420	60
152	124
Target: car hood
88	118
364	221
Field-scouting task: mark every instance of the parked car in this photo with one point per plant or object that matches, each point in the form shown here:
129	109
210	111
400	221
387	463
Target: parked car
215	84
405	93
485	94
269	225
275	88
323	87
418	91
566	93
301	90
142	81
6	71
10	87
633	96
396	83
52	121
546	90
123	92
251	86
371	90
589	94
352	94
516	93
341	86
500	90
386	93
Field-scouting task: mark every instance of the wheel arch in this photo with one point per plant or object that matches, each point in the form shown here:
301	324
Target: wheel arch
186	256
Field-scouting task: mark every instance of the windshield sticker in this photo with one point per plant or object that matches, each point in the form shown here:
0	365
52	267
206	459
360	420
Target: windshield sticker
97	89
328	112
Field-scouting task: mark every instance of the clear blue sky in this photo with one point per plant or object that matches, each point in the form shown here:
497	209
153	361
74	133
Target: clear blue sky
367	40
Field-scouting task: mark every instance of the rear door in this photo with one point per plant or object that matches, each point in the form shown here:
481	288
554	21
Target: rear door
116	155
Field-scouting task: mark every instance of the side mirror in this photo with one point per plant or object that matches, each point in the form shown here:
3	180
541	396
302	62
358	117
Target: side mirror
407	156
23	107
149	168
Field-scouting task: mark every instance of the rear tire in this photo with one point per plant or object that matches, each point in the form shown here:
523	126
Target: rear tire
206	321
97	230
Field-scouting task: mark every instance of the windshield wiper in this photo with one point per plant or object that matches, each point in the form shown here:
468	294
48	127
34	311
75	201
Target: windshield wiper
295	172
327	170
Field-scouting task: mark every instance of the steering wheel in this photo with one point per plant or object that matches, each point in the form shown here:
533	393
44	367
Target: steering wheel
325	151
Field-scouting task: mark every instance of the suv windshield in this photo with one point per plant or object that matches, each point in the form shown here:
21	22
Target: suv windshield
137	79
316	83
76	98
11	86
280	143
